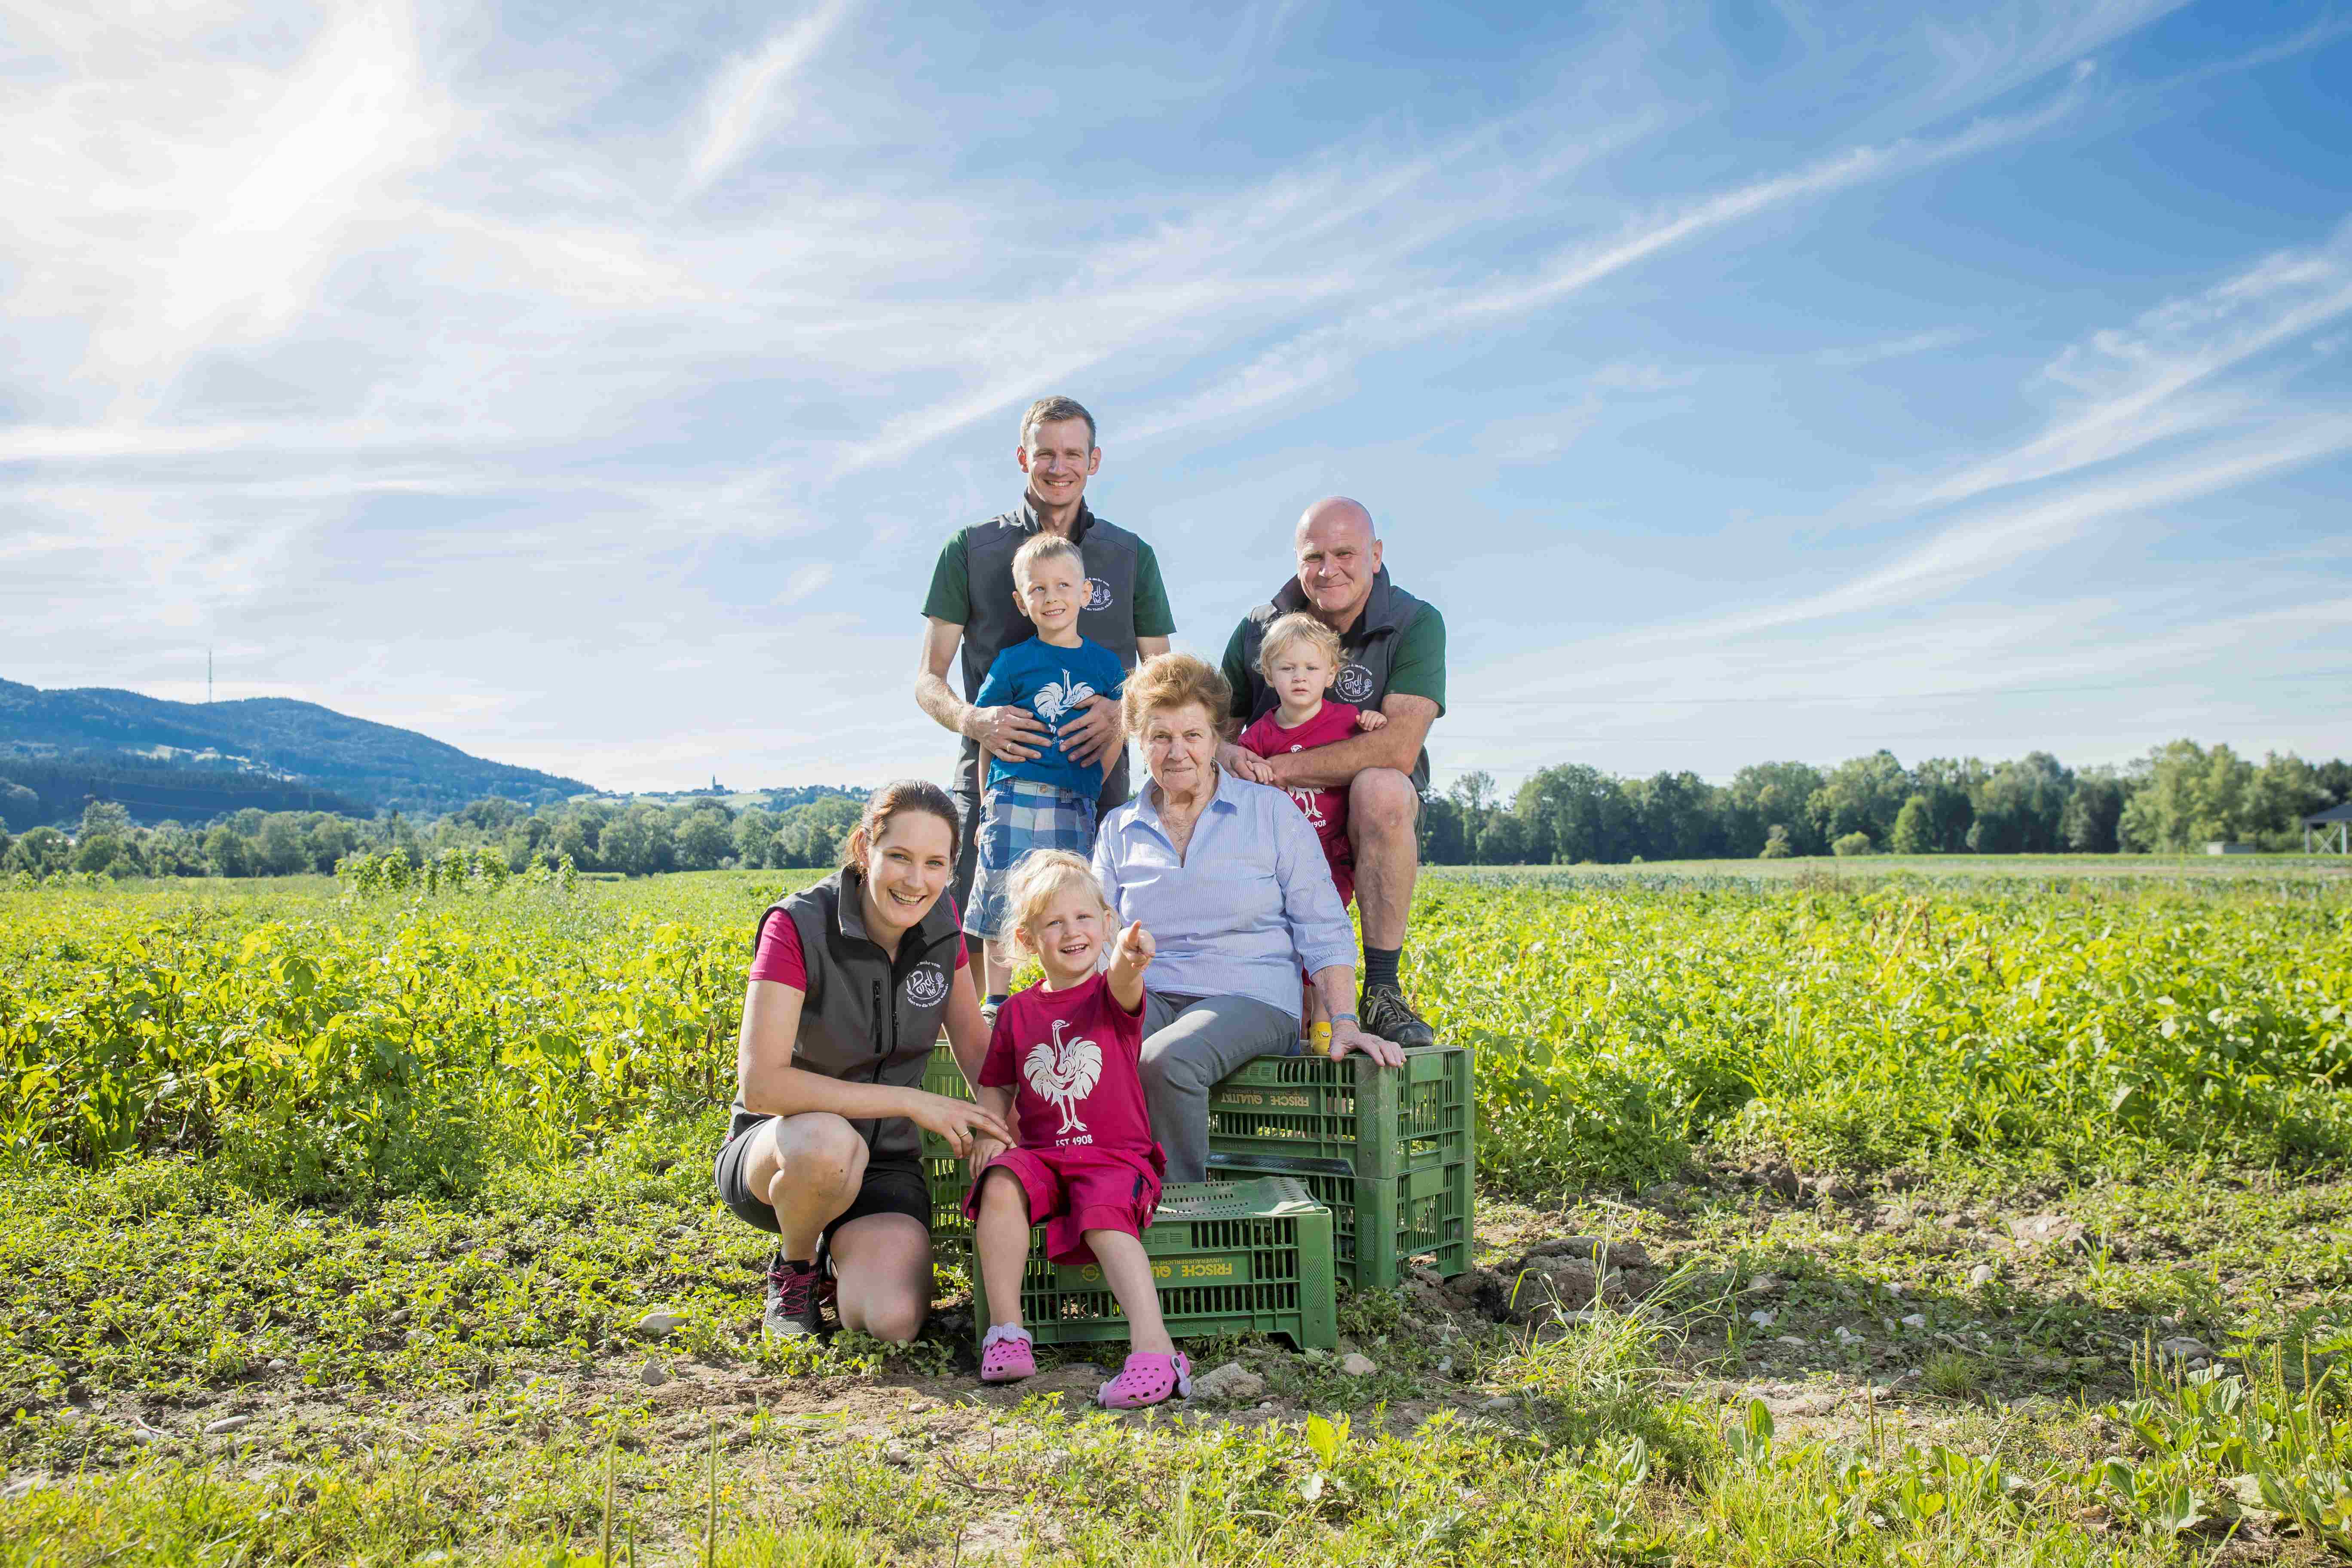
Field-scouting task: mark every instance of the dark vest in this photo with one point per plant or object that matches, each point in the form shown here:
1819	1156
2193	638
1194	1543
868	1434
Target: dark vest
1110	555
1367	650
866	1019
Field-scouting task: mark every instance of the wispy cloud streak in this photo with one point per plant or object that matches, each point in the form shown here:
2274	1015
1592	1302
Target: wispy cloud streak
742	103
1320	357
2151	381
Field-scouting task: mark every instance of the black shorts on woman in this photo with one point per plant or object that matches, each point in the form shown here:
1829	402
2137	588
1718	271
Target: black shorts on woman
865	1019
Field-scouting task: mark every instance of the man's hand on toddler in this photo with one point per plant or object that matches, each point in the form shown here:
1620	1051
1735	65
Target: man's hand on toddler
1244	764
1134	950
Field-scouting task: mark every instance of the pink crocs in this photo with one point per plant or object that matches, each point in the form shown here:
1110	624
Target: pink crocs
1008	1355
1148	1380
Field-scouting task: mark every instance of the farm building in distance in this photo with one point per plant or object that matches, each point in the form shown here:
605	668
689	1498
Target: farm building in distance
2335	822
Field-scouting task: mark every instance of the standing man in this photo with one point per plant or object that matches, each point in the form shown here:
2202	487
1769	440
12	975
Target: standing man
1391	657
971	603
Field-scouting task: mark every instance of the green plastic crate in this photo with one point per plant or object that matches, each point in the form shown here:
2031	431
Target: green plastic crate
951	1232
943	1075
1379	1225
1393	1156
1383	1121
1251	1257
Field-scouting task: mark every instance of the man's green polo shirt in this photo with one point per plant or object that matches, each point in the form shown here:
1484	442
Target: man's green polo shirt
950	596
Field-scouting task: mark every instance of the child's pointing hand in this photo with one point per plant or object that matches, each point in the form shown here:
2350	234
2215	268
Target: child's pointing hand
1134	949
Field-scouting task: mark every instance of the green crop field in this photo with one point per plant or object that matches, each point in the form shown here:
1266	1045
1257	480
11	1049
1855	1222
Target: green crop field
1997	1214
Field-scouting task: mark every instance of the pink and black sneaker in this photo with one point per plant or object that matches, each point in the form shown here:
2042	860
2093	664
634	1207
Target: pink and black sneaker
797	1295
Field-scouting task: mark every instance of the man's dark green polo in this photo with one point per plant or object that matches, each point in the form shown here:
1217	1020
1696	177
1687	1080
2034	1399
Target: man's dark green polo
1396	647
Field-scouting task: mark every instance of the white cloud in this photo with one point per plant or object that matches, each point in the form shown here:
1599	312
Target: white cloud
1319	359
2152	382
741	104
804	581
2001	46
191	200
1928	342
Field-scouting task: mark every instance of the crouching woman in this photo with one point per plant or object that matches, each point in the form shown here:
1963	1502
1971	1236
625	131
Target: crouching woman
850	982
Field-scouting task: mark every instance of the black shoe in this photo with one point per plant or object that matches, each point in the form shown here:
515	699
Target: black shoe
1384	1011
796	1297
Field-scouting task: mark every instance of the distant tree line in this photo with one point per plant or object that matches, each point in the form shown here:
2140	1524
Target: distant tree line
641	838
636	838
52	787
2175	799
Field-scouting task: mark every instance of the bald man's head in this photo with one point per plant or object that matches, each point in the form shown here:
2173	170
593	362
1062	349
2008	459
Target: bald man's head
1338	554
1340	511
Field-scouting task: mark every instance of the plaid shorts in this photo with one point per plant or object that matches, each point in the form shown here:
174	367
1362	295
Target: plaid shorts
1018	816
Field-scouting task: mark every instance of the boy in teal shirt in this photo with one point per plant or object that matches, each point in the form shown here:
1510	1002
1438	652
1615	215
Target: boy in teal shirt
1048	801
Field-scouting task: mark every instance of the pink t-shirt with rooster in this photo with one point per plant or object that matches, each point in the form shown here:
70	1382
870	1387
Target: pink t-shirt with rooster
1072	1060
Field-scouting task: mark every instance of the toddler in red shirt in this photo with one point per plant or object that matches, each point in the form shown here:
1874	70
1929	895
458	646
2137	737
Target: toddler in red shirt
1063	1070
1299	658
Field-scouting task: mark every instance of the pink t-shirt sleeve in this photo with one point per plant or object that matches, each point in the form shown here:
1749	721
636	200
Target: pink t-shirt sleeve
1339	724
779	956
1126	1027
1257	739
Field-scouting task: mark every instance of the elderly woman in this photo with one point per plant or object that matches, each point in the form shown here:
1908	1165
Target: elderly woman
851	981
1228	878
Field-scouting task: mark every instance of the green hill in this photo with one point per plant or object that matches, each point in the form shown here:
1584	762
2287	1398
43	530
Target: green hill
192	759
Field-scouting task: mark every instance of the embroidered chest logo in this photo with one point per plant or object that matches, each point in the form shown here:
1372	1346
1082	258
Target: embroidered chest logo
1354	684
926	986
1062	1074
1056	697
1098	594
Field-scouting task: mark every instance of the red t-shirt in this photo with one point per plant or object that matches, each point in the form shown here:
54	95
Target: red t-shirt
1326	809
779	957
1072	1060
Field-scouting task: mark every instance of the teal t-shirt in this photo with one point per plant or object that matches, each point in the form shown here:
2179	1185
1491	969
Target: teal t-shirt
1051	682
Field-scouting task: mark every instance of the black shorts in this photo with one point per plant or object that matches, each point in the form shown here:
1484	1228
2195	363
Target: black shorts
891	1185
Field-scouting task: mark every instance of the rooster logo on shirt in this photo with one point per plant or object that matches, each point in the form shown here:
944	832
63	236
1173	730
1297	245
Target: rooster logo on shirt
1056	697
1063	1073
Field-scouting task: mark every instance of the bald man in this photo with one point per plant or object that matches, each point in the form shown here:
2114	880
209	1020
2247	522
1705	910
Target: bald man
1391	657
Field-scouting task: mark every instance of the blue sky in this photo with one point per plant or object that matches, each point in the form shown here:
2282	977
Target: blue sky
591	387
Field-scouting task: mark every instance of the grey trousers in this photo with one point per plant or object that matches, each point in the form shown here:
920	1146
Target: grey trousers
1189	1044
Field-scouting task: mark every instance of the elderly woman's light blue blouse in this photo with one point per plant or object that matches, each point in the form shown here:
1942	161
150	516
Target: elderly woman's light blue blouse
1246	907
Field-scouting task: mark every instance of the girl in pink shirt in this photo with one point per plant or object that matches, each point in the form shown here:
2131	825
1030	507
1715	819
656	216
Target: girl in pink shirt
1062	1071
1299	659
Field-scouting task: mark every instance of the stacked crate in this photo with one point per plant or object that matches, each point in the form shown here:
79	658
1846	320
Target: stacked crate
1388	1151
1248	1257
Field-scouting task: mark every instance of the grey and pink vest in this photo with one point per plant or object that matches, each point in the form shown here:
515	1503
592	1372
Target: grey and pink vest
865	1018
